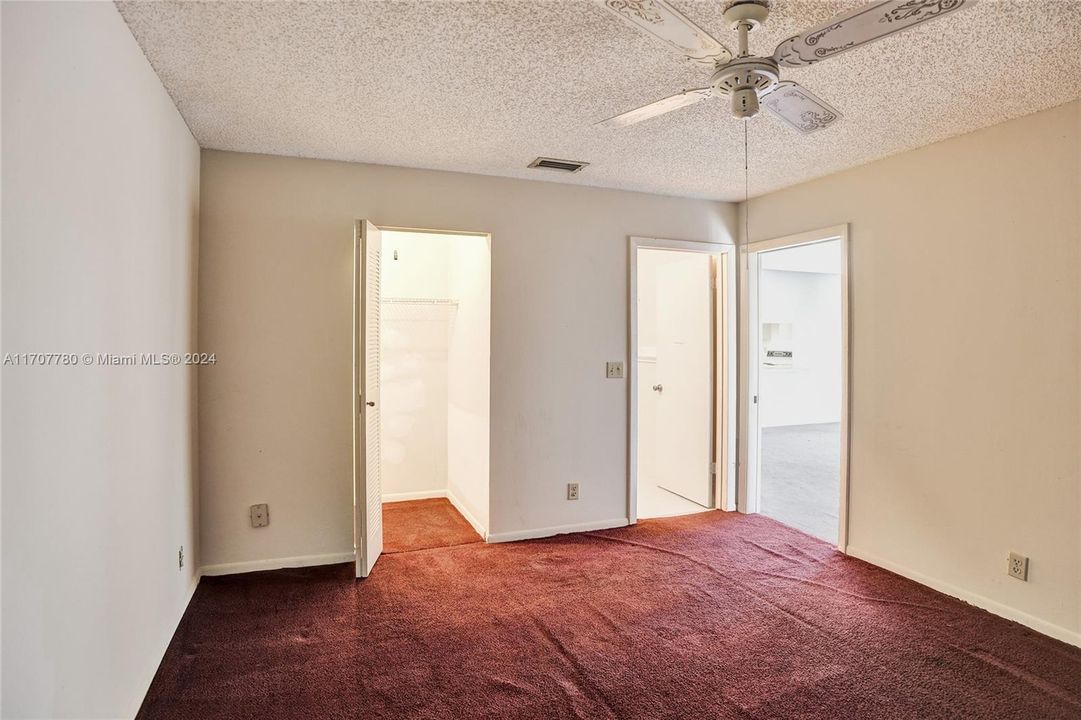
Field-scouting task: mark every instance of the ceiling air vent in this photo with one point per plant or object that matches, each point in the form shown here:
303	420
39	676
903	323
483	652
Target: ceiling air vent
569	166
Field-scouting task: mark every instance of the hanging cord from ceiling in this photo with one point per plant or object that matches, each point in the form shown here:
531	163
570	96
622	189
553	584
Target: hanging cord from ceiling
746	185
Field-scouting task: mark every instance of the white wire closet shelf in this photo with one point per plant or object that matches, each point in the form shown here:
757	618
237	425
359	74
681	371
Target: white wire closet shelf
418	301
419	309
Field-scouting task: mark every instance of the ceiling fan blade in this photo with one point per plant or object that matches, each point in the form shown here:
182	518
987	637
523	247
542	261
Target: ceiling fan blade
670	26
799	108
668	104
862	25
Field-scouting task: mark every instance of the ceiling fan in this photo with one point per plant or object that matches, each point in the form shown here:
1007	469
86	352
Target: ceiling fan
749	80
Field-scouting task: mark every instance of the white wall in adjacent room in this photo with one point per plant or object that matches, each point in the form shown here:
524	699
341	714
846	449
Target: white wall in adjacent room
422	268
469	383
808	391
415	339
101	201
413	397
965	268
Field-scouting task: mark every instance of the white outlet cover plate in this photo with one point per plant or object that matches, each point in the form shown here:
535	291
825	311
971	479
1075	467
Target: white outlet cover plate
614	370
260	515
1021	563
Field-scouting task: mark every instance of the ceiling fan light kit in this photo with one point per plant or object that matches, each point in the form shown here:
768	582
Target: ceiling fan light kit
745	78
750	81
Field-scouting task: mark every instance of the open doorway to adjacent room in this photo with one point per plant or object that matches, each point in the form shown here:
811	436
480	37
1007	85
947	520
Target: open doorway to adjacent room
678	378
797	373
423	350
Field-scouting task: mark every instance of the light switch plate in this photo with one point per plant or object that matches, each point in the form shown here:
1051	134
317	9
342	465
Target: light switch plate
260	515
614	370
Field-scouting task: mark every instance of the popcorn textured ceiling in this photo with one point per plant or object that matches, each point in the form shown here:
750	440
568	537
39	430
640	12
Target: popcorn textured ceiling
487	86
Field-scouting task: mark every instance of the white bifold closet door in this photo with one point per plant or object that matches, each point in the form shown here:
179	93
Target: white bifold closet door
684	448
367	485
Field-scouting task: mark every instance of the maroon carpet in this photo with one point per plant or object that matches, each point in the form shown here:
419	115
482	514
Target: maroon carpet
424	524
712	615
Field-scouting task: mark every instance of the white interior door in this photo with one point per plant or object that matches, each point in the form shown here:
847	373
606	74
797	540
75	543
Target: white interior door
684	450
367	486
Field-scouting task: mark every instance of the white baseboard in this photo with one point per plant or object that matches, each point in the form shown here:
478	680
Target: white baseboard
421	495
557	530
460	507
276	563
992	606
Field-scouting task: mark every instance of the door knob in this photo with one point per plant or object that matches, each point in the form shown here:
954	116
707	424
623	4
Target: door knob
658	387
370	403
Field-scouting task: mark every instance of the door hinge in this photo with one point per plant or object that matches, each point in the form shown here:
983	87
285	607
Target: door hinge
755	400
713	468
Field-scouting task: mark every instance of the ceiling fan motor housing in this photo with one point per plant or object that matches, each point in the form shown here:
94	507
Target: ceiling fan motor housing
744	80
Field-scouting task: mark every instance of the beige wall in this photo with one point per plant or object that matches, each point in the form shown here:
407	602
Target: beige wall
275	304
966	441
100	198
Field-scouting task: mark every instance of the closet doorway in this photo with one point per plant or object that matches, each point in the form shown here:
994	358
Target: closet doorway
423	356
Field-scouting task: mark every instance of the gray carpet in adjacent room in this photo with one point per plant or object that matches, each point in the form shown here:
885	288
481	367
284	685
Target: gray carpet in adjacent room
801	467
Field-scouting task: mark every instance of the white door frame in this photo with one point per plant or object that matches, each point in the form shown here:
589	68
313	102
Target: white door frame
724	370
749	450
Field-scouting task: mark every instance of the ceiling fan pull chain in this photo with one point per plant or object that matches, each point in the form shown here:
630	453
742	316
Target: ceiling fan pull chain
746	185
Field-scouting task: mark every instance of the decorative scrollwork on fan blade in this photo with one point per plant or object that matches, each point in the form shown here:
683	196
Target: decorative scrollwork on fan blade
642	9
662	21
814	37
921	9
825	52
811	120
799	108
863	25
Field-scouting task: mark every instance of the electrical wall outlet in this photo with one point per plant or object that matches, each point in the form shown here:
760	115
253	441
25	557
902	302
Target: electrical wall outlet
260	515
572	491
614	370
180	557
1018	566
